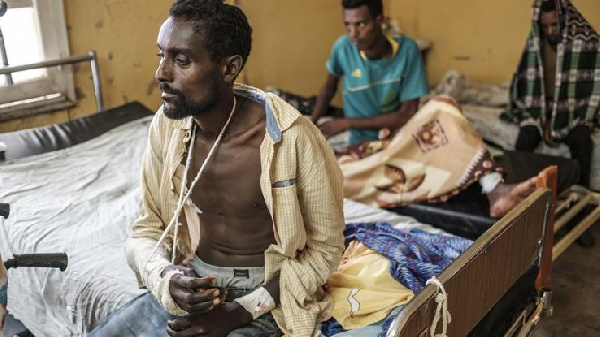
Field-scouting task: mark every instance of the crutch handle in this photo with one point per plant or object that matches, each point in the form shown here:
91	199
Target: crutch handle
59	261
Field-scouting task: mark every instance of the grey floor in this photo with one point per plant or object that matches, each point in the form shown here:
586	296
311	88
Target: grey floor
576	293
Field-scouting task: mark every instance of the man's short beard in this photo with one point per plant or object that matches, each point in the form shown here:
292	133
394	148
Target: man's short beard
184	108
553	40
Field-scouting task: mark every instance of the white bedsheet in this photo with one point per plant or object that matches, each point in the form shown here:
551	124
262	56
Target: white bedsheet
82	201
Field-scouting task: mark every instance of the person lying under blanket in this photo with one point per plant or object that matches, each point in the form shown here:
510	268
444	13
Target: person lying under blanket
383	79
434	156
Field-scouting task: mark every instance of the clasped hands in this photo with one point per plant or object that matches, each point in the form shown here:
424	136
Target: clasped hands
209	314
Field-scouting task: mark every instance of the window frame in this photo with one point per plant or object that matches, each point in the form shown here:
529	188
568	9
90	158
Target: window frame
16	99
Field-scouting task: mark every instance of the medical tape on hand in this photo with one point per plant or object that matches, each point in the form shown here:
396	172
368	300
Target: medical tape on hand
257	303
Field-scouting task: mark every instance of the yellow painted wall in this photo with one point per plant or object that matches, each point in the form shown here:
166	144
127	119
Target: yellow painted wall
292	40
480	38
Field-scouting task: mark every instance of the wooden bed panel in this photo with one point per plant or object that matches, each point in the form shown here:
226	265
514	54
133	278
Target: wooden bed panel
482	275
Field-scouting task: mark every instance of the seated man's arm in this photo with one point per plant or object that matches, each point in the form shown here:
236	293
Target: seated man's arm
320	200
325	96
151	263
393	120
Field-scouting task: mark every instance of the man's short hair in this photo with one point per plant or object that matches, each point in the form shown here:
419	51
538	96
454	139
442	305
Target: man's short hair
548	6
375	6
225	29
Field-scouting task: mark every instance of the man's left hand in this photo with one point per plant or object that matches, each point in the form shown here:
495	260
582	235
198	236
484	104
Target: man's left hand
334	126
218	322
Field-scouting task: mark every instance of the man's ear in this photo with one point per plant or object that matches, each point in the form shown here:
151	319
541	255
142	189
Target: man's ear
232	67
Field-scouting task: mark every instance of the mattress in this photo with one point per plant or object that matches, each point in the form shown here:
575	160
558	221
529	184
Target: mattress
82	200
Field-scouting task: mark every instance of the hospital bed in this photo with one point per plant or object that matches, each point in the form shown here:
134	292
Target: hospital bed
483	104
59	208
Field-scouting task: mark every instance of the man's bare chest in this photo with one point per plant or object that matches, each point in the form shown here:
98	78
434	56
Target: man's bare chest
230	183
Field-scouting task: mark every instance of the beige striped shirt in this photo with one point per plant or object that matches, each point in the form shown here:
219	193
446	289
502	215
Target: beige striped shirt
307	215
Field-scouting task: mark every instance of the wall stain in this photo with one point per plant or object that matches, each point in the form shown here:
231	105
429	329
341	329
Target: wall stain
99	24
110	55
79	94
462	58
153	85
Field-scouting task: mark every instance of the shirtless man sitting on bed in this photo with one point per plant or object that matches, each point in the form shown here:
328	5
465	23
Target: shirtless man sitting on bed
241	215
383	79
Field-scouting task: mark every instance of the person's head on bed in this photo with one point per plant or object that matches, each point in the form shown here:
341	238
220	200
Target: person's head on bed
549	22
363	21
203	46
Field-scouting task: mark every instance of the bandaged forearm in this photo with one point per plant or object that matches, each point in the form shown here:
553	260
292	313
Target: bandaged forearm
257	303
489	182
149	271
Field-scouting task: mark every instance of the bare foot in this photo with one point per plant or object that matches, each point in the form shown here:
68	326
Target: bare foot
505	197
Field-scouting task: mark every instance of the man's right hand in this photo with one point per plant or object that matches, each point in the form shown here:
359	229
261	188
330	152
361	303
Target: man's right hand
192	293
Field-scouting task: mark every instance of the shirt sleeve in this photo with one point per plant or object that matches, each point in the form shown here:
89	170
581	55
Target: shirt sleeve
148	228
415	78
334	63
320	196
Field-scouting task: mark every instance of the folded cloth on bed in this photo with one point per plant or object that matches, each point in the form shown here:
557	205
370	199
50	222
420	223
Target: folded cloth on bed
363	290
433	157
577	86
415	256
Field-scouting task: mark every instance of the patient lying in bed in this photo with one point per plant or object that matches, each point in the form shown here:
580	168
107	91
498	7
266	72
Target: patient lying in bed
435	156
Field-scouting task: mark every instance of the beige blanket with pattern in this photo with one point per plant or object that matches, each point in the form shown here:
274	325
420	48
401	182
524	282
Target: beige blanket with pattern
433	157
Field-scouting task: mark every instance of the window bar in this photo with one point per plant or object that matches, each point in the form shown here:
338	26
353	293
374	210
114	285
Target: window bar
3	56
91	57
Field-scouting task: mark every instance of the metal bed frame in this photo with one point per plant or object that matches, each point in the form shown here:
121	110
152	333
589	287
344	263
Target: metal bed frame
90	57
572	203
484	273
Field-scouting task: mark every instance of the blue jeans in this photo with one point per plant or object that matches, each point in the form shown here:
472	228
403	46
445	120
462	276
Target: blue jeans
144	316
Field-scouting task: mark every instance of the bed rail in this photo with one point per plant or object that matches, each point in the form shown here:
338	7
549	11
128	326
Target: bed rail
90	57
481	275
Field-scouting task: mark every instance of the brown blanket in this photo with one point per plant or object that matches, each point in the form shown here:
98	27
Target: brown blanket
433	157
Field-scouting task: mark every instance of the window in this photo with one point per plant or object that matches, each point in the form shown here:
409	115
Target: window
35	31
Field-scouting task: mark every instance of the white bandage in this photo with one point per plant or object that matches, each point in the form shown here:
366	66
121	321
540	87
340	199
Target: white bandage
161	291
257	303
489	182
149	271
